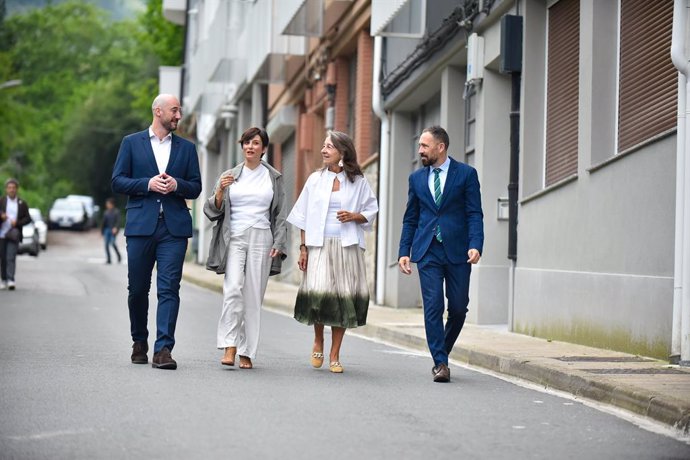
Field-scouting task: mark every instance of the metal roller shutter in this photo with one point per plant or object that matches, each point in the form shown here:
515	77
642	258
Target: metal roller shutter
648	81
562	92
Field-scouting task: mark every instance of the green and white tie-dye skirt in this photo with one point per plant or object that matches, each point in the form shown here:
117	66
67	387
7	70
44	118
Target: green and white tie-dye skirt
334	288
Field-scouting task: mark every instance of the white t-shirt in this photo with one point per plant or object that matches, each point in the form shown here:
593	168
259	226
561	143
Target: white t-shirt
333	225
250	200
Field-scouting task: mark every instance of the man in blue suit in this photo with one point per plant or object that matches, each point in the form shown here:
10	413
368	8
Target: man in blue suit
158	171
443	233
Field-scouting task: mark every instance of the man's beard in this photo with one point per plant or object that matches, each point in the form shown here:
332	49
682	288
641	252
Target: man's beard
170	126
426	161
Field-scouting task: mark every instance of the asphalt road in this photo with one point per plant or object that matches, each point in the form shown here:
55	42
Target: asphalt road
68	390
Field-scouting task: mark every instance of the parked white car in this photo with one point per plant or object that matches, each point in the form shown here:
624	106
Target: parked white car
90	206
40	225
67	214
29	243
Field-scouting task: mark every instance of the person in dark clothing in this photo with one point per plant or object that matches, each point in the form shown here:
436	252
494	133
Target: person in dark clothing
110	228
14	214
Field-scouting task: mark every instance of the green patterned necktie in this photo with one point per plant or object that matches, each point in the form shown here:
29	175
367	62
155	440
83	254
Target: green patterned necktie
437	199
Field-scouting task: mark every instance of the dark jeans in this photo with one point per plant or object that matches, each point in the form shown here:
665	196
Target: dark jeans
167	251
8	258
110	241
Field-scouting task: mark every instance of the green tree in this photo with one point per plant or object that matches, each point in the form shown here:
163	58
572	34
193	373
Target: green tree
86	82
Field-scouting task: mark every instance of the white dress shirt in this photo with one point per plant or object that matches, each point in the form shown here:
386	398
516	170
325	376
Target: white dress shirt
161	149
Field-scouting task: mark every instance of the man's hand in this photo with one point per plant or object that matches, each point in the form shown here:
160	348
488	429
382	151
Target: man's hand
162	183
404	264
474	256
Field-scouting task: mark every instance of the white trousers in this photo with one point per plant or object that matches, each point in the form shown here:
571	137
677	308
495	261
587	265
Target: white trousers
246	276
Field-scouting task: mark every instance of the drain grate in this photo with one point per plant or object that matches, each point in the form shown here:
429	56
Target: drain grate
648	371
603	359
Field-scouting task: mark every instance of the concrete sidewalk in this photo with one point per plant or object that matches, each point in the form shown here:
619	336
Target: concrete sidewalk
640	385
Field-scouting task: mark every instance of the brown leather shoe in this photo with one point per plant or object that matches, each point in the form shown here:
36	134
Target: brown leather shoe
441	373
163	360
139	350
229	356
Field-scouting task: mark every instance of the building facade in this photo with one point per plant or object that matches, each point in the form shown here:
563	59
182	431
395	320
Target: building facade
574	102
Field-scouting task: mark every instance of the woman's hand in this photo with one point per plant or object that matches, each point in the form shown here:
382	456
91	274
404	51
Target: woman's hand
226	180
275	253
347	216
302	261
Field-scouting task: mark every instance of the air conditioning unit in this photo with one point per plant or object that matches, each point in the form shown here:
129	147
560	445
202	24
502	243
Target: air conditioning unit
475	58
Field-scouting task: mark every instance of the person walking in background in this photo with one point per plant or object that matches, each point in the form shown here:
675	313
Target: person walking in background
443	233
334	208
14	214
158	171
249	245
110	228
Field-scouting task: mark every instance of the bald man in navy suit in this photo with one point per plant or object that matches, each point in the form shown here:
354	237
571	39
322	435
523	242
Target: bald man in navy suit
443	233
158	171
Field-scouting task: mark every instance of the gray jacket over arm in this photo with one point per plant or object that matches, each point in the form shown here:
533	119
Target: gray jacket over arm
221	216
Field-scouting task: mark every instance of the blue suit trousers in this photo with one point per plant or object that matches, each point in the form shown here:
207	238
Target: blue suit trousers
435	268
168	252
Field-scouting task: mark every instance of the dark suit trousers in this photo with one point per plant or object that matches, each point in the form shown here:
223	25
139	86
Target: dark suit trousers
168	252
434	268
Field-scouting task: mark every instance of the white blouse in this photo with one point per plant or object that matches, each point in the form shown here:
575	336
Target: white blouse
250	200
311	209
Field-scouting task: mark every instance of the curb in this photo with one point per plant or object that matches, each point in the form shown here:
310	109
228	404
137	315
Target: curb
672	412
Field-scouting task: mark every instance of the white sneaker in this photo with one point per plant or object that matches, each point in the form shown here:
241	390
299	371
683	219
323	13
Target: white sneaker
10	285
3	285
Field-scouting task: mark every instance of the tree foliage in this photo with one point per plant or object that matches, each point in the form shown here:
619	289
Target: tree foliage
86	82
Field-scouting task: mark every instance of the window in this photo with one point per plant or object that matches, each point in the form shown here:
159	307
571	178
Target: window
470	119
562	90
352	96
648	80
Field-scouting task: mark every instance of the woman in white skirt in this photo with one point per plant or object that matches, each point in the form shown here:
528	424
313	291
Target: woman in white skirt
248	206
334	209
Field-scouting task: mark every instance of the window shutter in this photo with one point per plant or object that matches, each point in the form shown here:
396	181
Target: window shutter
648	81
562	91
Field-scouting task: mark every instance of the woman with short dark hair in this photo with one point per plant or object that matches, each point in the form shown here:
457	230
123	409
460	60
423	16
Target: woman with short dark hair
248	206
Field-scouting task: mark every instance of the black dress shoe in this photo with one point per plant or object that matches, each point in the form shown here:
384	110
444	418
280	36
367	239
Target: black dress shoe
163	360
139	350
441	373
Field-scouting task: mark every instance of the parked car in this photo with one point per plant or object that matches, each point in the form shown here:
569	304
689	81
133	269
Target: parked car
40	225
29	243
67	214
91	208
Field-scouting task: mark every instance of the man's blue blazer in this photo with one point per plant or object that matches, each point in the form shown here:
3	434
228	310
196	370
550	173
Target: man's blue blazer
136	165
459	215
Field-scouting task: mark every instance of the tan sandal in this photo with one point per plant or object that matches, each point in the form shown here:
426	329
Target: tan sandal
245	362
317	359
336	367
229	356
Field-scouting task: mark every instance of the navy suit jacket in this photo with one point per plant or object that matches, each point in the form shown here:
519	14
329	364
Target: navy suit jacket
459	215
136	165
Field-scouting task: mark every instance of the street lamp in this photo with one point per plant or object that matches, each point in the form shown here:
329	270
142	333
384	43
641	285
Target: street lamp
10	84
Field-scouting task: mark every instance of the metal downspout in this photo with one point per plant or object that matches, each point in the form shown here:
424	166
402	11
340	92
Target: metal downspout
680	333
384	167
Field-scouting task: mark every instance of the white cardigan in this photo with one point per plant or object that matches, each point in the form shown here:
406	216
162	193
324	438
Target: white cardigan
311	208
